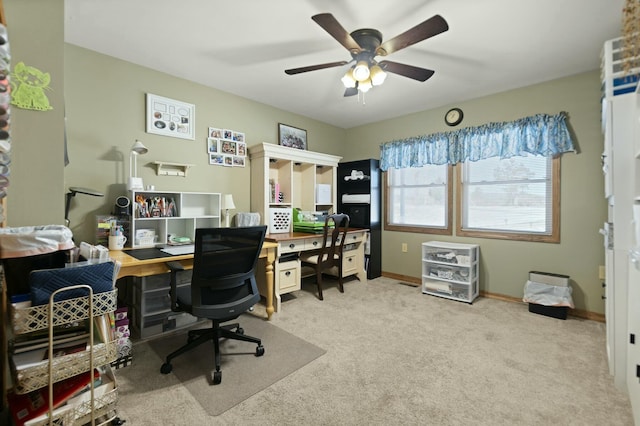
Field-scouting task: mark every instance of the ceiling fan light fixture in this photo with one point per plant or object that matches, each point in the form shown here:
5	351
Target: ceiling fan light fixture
348	80
377	75
361	71
364	86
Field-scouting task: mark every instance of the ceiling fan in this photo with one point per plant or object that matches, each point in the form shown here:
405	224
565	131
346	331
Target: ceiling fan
365	44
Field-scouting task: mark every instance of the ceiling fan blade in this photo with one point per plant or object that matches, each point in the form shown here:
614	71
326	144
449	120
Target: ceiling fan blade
337	31
351	91
429	28
416	73
315	67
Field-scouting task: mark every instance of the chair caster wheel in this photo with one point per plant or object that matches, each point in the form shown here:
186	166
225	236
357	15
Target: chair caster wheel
260	351
217	377
166	368
240	330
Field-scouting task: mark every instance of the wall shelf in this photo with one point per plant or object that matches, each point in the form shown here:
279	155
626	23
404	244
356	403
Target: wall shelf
166	168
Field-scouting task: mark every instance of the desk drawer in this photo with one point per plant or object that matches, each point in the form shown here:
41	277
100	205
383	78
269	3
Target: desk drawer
354	238
288	276
290	246
349	263
313	243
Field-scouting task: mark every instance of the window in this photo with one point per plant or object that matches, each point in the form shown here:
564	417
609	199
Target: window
418	199
516	198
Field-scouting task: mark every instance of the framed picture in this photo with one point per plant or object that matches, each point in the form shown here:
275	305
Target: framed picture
216	159
241	149
215	132
228	147
292	136
169	117
238	161
238	137
212	145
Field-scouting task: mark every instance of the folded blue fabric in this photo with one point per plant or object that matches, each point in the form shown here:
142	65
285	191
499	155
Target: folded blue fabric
44	282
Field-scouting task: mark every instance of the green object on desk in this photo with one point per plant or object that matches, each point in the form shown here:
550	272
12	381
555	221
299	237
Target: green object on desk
311	227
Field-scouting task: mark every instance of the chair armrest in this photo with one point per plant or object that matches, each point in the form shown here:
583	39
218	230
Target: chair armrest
174	268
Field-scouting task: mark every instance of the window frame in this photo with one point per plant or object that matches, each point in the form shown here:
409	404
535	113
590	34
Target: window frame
448	230
553	237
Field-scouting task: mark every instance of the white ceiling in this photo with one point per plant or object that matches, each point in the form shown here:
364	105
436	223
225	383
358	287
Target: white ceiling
244	46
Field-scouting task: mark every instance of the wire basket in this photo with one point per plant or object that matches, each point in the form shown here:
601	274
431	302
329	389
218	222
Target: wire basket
35	318
104	407
66	366
62	416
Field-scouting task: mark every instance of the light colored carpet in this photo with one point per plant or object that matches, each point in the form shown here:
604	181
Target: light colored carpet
243	374
398	357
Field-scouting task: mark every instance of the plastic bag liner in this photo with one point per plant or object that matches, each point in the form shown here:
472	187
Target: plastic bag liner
34	240
547	295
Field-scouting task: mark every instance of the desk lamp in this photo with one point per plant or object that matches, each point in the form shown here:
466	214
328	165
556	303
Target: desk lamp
72	193
135	183
227	204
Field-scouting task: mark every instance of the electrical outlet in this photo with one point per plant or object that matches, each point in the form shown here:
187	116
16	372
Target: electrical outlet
602	273
404	247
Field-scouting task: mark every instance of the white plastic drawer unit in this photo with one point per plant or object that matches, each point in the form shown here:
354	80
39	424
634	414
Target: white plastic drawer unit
447	253
462	274
450	270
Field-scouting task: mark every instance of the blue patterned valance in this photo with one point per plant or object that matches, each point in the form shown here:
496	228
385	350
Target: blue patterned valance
541	134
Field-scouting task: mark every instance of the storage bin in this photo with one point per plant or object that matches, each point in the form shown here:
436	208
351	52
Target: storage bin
559	312
279	220
548	294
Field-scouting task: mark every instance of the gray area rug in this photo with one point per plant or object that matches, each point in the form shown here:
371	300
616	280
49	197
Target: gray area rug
243	374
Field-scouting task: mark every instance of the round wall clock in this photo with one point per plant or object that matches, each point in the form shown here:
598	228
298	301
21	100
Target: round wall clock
453	117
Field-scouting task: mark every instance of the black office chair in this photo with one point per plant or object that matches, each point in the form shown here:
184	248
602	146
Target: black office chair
329	255
223	286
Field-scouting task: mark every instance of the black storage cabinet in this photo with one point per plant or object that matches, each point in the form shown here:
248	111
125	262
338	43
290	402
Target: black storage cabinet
363	214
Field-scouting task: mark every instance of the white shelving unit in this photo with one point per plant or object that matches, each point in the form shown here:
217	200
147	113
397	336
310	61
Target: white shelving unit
297	174
450	270
621	167
158	214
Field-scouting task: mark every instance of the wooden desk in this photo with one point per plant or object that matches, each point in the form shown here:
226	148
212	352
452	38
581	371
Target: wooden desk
288	274
130	266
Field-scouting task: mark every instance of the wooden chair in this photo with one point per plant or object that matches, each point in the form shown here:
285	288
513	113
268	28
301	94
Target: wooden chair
330	254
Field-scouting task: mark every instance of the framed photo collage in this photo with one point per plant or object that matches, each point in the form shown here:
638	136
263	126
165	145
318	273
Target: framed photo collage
226	147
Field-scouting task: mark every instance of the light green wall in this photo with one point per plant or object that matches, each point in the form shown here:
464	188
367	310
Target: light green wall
36	190
106	113
505	264
105	104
